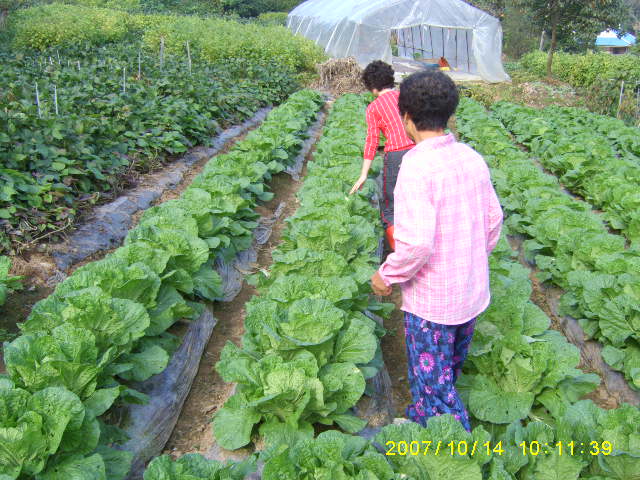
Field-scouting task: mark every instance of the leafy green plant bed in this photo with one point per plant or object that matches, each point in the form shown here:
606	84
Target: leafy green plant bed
116	112
569	243
624	139
104	328
520	382
308	346
585	161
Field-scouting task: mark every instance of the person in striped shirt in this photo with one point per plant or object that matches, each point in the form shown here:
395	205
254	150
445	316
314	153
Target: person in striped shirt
447	222
383	116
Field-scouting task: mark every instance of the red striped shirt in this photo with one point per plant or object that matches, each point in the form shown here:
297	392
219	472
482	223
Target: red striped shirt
383	115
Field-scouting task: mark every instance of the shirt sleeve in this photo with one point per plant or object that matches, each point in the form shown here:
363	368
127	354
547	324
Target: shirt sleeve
373	135
414	227
495	219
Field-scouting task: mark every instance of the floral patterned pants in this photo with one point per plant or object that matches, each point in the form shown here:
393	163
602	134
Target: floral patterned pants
435	354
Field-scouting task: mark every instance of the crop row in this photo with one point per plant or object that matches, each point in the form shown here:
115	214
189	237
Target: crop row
569	243
585	162
308	346
520	383
105	327
623	138
532	396
93	118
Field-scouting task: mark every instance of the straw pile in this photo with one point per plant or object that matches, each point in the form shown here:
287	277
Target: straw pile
340	75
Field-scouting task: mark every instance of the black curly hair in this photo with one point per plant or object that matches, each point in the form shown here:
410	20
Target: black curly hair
429	98
378	75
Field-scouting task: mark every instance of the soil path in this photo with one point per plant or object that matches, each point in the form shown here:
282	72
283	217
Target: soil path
193	432
395	355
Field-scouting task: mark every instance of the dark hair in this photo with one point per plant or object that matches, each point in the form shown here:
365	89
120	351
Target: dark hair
429	98
378	75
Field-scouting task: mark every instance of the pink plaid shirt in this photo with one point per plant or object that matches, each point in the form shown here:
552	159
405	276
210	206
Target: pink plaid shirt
447	222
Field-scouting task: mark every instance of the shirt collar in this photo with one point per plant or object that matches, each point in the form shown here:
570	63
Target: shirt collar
436	142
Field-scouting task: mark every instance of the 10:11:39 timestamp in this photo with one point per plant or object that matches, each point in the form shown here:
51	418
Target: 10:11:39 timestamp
566	448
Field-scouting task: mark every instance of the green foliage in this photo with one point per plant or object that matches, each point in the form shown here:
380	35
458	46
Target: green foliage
101	130
105	325
598	75
308	347
331	454
196	467
8	283
253	8
597	272
575	22
273	18
587	164
217	40
59	25
585	71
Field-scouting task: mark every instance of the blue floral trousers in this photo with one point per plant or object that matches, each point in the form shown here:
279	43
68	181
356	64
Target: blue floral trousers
435	355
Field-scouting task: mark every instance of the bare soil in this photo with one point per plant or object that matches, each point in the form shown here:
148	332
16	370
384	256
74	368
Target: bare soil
395	355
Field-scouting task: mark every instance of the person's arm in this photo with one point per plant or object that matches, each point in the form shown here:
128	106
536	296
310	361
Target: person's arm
370	147
414	228
495	219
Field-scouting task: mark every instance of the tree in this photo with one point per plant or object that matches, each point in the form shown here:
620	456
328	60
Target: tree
574	19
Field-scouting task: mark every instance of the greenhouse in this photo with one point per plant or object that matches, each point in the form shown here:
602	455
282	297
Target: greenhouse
469	39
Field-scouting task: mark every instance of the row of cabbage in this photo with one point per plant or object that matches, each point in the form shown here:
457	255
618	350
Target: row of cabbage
585	161
105	327
308	346
532	396
569	243
623	138
520	383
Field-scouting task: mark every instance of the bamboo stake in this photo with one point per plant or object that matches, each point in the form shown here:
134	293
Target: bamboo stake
620	100
55	98
161	53
38	101
124	80
189	56
139	65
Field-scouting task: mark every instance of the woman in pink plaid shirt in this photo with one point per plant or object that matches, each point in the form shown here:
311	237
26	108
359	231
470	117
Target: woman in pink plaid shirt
447	222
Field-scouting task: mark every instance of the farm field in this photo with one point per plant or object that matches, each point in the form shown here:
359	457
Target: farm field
232	333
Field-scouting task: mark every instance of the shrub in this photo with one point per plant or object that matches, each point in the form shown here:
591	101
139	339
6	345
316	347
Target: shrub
273	18
60	25
585	70
217	39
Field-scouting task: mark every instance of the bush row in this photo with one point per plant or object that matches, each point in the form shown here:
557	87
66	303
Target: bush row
213	39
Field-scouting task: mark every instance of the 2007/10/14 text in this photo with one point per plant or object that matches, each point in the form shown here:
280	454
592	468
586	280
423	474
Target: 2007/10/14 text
463	448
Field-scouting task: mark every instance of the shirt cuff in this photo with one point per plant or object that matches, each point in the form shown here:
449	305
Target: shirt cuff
384	278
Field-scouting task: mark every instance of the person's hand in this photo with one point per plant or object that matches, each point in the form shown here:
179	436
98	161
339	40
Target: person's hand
358	185
379	287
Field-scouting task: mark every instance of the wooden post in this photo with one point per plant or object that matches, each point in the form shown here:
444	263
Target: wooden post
124	80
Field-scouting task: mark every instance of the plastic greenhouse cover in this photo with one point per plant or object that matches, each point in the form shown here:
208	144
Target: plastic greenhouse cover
466	36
